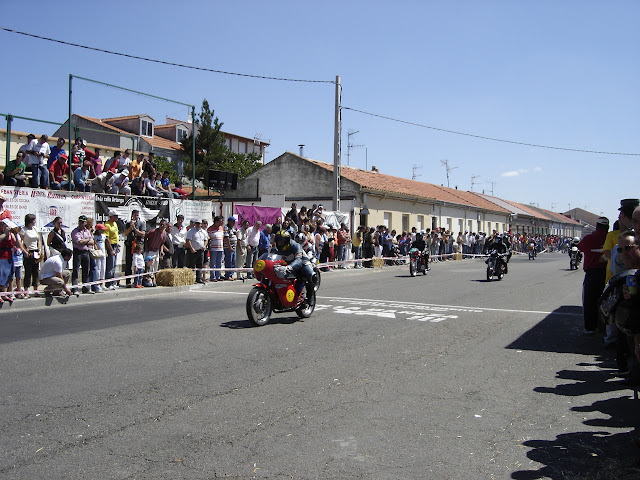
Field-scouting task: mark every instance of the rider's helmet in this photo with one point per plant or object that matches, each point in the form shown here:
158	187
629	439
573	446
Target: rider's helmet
576	240
283	240
418	237
301	238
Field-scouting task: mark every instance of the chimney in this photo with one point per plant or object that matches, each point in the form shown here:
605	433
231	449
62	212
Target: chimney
301	150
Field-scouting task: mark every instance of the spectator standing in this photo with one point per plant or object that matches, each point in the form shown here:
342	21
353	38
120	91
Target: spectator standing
18	264
154	240
77	153
124	162
136	168
99	263
32	252
54	275
343	239
195	242
38	154
82	240
56	151
230	244
166	252
95	164
594	267
179	237
8	243
56	238
264	244
14	172
241	250
253	241
112	245
134	232
138	265
357	246
216	248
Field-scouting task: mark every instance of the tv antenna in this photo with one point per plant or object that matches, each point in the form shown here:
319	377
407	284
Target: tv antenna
448	168
415	175
350	146
473	178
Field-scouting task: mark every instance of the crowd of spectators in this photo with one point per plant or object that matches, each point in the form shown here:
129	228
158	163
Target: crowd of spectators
42	166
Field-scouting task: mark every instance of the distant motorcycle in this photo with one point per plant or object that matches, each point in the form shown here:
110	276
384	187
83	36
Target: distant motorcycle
575	257
417	262
496	265
273	294
532	251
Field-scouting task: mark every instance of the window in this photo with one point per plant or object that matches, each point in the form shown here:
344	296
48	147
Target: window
387	219
147	128
405	223
449	224
182	134
420	224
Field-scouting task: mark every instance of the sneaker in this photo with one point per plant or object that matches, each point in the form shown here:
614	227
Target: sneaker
139	286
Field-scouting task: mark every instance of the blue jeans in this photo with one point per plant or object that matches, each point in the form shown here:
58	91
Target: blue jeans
229	262
138	280
39	176
215	262
110	269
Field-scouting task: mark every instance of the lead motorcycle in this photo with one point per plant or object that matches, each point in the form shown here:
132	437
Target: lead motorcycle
496	265
532	251
273	294
417	262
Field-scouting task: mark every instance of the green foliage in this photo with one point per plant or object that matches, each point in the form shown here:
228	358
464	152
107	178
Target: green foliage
211	151
164	165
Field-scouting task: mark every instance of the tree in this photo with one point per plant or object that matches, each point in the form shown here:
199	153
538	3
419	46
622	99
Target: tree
211	151
164	165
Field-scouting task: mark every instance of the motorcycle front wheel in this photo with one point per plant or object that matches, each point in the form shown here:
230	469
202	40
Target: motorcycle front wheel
308	304
489	274
412	267
315	279
259	306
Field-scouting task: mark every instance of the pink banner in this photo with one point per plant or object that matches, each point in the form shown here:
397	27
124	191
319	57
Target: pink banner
253	214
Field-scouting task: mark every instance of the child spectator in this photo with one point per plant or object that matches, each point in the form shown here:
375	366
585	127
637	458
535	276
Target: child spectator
138	266
17	267
100	263
148	280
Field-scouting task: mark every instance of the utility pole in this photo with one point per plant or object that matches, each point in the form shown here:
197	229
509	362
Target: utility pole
473	177
445	162
415	175
336	147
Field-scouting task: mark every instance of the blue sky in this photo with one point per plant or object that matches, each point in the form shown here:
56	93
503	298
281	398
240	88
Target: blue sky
555	73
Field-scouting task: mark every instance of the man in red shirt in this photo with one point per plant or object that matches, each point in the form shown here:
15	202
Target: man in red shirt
4	213
59	173
594	273
181	193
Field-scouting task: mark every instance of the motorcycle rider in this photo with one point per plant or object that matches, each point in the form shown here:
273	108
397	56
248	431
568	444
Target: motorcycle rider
421	245
293	255
501	248
574	243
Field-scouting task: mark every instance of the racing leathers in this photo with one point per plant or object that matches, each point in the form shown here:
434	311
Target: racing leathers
421	245
297	262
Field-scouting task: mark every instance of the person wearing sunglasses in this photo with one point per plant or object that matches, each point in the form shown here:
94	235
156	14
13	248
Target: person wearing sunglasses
14	172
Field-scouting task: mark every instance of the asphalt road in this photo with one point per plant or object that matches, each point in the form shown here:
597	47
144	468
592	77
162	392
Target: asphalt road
444	376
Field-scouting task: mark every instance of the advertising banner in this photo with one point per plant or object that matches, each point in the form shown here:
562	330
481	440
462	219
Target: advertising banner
267	215
46	205
152	209
191	209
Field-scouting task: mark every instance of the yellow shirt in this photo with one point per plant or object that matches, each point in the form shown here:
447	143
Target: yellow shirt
135	168
609	244
112	232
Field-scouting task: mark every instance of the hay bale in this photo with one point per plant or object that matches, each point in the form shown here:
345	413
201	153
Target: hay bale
378	262
457	256
175	277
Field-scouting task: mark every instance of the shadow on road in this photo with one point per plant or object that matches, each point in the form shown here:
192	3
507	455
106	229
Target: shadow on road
607	453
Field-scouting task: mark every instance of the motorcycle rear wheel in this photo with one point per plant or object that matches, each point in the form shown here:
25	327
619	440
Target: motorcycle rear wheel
316	279
308	304
259	306
412	267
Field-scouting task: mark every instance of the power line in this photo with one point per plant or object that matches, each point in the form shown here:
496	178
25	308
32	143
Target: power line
136	57
487	138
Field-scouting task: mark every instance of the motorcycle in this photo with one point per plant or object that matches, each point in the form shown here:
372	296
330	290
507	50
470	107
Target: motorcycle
532	251
496	265
575	258
417	262
273	294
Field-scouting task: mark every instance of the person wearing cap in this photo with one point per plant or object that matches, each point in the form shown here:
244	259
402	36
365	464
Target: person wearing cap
179	237
38	153
82	240
195	243
56	151
54	275
120	183
59	173
112	247
134	231
14	172
594	267
103	182
24	148
99	264
615	265
230	242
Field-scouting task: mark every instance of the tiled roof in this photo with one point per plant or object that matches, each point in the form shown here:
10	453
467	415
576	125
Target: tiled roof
559	217
529	210
126	117
162	143
97	121
387	183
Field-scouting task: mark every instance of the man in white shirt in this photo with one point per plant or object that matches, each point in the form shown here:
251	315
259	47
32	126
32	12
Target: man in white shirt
124	161
54	275
253	239
38	153
179	237
103	182
195	242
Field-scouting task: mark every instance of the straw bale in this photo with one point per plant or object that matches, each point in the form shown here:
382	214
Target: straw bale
175	277
378	262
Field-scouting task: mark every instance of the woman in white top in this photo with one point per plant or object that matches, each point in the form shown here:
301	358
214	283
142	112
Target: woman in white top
33	246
